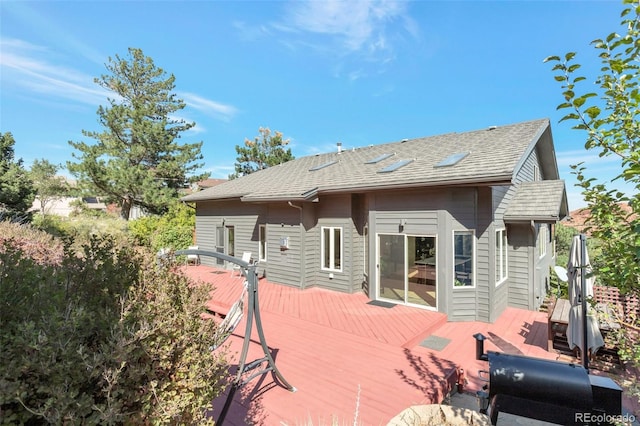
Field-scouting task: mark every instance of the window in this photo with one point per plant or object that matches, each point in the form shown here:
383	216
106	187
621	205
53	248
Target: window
501	256
463	258
262	250
219	243
543	238
331	248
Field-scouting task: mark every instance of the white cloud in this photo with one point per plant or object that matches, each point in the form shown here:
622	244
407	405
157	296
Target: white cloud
214	109
22	65
359	25
362	27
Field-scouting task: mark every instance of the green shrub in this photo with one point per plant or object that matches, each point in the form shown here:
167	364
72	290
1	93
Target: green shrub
104	336
172	230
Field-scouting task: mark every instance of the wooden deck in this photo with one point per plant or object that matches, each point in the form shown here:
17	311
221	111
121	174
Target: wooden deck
347	356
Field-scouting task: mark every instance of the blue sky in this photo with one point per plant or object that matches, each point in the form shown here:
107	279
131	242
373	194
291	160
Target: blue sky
321	72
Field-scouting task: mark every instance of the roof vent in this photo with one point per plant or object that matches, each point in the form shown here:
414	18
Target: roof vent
492	127
404	140
339	144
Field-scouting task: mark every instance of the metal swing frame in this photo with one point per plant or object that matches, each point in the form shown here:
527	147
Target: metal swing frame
253	314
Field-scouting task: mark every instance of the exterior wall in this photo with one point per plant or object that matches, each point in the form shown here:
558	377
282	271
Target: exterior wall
281	220
285	265
332	211
423	211
300	226
486	294
501	195
528	273
521	252
434	213
213	214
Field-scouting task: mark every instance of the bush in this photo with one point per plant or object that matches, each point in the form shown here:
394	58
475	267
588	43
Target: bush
103	337
173	230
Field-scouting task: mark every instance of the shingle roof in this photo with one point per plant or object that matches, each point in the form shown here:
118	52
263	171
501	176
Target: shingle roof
494	155
543	201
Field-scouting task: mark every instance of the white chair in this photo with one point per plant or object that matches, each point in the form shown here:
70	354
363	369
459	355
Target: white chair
246	256
193	258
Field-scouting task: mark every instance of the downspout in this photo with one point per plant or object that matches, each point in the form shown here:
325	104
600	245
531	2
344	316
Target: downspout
533	260
302	246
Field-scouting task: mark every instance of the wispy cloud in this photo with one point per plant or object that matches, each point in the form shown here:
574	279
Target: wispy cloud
23	65
211	108
366	28
26	65
358	26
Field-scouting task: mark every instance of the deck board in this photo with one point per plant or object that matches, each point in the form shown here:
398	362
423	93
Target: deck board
333	346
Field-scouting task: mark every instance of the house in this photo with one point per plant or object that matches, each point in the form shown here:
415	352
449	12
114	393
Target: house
461	223
65	206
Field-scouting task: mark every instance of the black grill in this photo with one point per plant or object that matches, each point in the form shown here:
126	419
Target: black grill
551	391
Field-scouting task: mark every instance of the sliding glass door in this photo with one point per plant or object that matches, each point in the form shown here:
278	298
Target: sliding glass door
407	269
391	267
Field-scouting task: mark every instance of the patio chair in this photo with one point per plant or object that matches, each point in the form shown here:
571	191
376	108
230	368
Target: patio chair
193	258
246	256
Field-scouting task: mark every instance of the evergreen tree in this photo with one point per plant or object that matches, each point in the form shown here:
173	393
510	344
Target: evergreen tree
16	189
136	160
265	150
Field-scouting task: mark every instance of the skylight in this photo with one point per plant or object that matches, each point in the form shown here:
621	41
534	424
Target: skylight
452	160
379	158
395	166
322	166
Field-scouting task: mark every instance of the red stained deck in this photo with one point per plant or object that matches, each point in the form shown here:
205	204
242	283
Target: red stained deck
340	352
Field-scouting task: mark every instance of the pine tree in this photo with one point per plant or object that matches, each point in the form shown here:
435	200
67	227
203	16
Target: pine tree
136	160
16	189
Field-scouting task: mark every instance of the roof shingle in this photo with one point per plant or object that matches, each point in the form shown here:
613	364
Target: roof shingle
494	154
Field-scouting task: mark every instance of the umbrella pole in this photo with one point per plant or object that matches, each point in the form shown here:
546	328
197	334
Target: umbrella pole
583	290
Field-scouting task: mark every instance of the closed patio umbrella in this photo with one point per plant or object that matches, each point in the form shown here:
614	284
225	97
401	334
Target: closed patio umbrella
580	289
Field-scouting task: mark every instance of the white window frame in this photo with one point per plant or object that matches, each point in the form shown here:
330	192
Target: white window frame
536	173
473	257
501	256
331	248
543	238
262	243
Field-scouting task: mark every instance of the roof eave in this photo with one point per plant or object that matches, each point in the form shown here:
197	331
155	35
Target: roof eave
529	219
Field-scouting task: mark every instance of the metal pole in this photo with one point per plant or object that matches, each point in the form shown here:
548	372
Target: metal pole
583	285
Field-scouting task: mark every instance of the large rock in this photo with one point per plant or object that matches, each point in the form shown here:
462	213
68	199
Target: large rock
439	415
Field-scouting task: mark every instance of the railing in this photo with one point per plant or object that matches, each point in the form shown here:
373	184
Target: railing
628	304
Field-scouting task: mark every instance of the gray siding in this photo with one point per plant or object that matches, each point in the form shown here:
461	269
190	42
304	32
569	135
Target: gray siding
335	211
484	267
284	264
520	256
528	274
435	213
243	218
423	211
